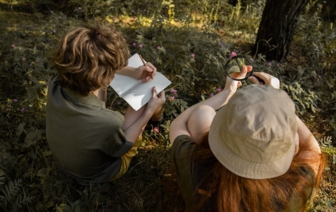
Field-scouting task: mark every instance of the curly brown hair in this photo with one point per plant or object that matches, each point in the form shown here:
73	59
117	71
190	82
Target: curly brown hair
88	57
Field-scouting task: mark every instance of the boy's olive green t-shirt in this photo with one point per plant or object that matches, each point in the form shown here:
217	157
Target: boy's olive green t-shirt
86	139
187	172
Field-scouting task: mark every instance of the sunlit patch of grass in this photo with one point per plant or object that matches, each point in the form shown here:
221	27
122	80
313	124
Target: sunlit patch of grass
10	2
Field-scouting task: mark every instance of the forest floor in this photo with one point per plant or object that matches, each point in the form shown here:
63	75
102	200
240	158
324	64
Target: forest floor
151	181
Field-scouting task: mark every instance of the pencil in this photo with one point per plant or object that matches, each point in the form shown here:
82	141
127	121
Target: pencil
144	65
142	60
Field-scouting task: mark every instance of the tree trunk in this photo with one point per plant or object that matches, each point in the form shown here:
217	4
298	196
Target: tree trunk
277	27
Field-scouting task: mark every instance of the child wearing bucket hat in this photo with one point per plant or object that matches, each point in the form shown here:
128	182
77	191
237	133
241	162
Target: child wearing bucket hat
245	150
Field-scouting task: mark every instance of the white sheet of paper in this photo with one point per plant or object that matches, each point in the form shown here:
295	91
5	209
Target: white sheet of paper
135	92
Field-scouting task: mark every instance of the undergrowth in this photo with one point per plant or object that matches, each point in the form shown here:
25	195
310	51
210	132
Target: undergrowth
187	41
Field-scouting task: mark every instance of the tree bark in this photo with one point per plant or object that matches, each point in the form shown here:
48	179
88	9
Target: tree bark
277	27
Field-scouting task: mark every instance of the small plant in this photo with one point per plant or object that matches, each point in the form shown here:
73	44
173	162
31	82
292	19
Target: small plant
305	100
14	197
327	147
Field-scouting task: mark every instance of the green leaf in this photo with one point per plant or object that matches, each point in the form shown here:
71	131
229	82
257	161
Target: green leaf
20	128
32	137
43	173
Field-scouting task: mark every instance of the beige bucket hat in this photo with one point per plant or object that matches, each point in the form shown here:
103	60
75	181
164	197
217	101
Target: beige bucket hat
254	135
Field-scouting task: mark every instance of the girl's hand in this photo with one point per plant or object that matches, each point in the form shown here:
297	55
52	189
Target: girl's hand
234	84
268	79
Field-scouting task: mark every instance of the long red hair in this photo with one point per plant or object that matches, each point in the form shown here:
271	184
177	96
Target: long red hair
221	190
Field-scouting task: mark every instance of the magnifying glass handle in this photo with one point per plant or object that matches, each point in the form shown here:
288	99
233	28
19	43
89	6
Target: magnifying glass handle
259	79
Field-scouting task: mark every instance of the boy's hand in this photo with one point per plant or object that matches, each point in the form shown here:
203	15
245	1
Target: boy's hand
145	72
157	100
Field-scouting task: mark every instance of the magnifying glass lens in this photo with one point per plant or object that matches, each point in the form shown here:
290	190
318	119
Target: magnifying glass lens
233	68
234	72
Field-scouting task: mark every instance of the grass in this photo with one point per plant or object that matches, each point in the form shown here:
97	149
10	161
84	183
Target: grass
29	178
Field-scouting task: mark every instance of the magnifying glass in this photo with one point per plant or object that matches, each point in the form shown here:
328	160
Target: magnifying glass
234	66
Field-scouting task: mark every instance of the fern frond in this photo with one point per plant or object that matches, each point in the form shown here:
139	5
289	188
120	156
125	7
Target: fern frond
329	150
3	201
2	177
22	200
12	190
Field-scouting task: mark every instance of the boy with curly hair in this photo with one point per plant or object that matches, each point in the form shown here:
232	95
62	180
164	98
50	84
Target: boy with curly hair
88	141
